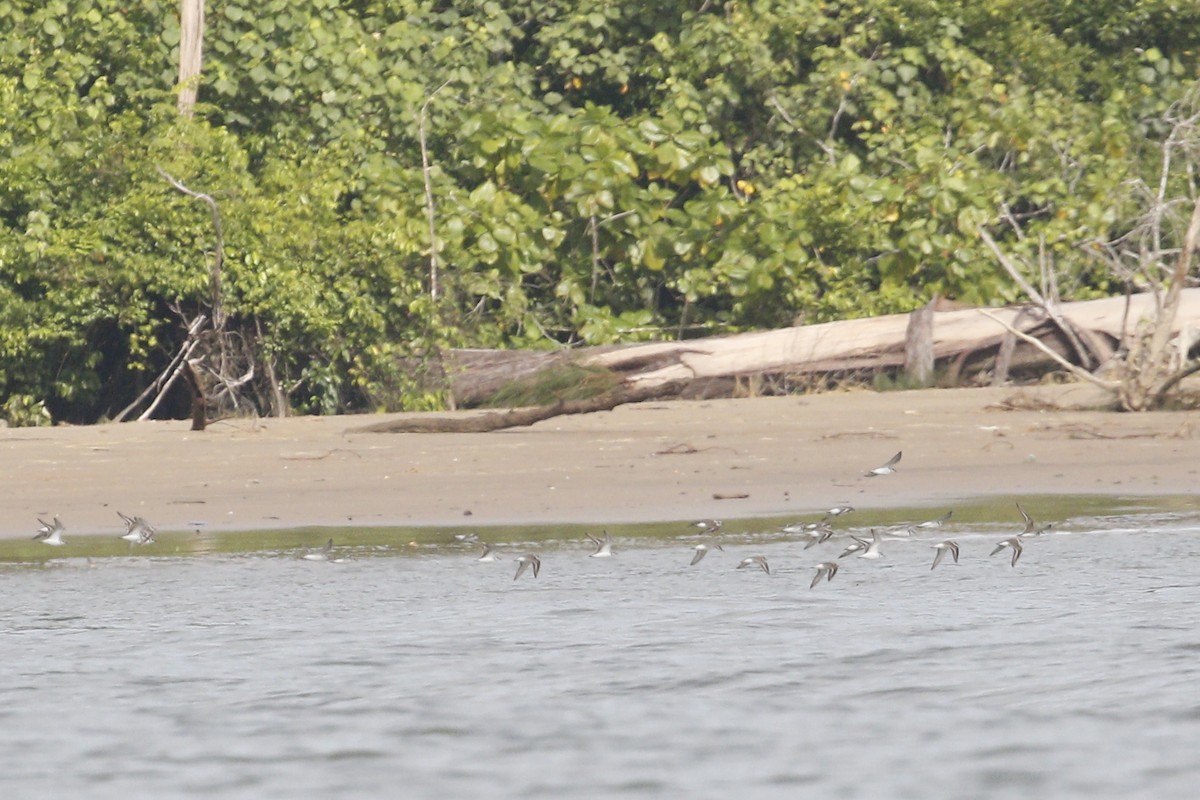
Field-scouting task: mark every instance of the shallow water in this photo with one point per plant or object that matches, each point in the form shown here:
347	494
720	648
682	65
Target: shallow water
421	672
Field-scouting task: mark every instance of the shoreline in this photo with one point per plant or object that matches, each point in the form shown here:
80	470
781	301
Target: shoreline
652	462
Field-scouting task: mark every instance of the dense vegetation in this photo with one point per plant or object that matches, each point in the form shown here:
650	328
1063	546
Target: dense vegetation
598	172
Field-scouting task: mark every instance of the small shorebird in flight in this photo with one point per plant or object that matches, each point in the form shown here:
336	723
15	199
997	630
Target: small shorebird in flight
603	546
1015	543
886	469
319	554
942	548
528	561
816	537
466	538
709	525
826	570
871	548
865	549
51	534
1031	527
489	554
857	546
138	531
702	551
934	523
756	561
815	532
837	511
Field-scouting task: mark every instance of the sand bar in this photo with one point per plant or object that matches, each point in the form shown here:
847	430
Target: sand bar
650	462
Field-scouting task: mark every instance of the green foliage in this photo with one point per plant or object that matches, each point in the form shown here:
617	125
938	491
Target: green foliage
606	173
566	382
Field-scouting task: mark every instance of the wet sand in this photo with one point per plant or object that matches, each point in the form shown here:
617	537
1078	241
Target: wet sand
651	462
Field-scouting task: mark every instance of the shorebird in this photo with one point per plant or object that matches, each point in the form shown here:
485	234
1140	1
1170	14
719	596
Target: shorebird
1031	527
942	548
815	532
935	523
817	537
702	551
466	538
709	525
826	570
1015	543
886	469
603	546
837	511
872	547
488	554
320	554
857	546
756	561
138	531
51	534
527	561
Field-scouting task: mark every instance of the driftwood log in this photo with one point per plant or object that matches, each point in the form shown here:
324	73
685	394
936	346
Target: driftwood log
520	417
962	340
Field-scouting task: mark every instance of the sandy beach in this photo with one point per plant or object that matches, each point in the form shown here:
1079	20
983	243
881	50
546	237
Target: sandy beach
649	462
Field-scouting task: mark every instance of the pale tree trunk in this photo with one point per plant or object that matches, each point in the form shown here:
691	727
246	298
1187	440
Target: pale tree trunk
191	45
918	345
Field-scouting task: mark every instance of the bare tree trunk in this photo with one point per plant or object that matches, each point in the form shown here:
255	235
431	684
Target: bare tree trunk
191	45
918	345
430	212
199	403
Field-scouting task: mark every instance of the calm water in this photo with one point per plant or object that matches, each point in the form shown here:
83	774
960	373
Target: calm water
433	675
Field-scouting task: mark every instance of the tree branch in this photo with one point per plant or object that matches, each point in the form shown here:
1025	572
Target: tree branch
214	273
1083	374
1037	297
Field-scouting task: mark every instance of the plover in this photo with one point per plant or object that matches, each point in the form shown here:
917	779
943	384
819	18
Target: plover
603	546
826	570
1015	543
1031	527
942	548
702	551
886	469
466	538
489	554
528	561
709	525
756	561
138	530
51	534
320	554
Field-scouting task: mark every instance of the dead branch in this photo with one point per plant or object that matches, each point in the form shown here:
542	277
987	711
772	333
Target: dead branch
1048	306
162	384
214	272
1083	374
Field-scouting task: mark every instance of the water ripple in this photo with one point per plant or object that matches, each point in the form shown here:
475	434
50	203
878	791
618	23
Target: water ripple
265	677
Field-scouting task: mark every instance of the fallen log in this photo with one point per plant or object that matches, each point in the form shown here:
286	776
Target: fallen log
522	417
